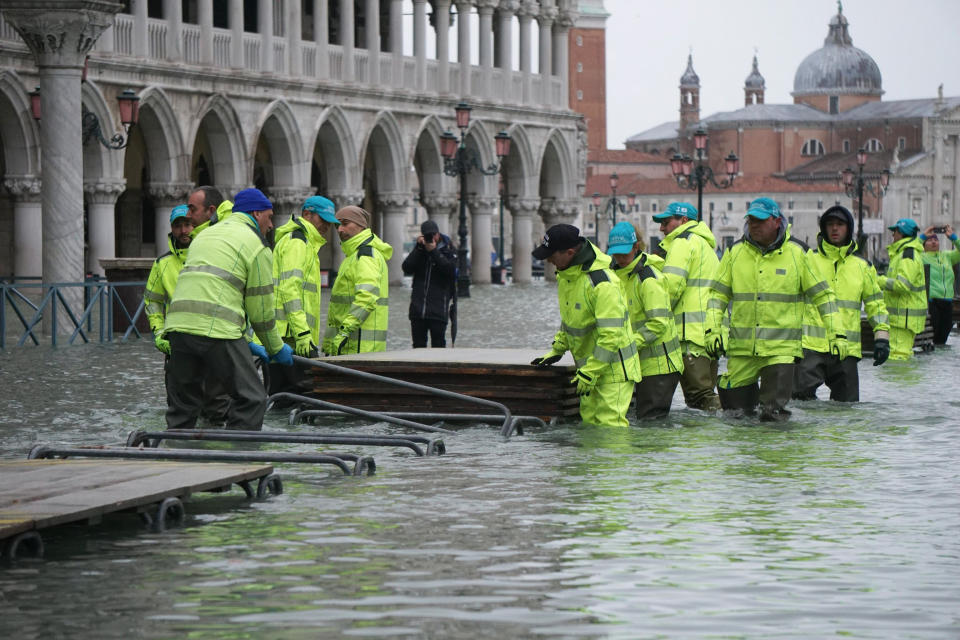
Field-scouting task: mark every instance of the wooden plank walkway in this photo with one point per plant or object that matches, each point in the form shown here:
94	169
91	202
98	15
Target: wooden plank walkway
502	375
35	494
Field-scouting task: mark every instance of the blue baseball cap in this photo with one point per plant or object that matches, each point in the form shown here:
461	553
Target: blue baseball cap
763	208
677	209
906	226
322	207
249	200
622	238
179	211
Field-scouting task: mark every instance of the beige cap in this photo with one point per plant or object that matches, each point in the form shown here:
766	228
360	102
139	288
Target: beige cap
355	214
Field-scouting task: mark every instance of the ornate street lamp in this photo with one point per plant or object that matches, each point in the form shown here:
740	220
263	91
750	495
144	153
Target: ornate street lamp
854	185
129	105
694	176
460	161
612	207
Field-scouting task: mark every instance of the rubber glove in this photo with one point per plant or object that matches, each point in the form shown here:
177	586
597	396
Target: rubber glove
339	342
546	360
881	351
284	356
259	352
161	343
304	345
713	343
585	382
839	346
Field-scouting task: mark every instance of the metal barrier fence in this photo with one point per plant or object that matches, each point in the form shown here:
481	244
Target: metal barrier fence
39	311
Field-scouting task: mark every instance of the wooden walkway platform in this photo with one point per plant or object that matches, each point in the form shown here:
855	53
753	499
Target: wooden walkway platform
35	494
502	375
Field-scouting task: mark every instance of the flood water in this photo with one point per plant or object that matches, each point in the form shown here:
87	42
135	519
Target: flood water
843	522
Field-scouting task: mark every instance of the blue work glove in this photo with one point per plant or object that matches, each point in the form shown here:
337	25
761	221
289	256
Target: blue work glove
259	352
713	343
881	351
585	382
284	356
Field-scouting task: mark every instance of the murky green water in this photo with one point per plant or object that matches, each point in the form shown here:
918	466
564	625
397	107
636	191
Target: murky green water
844	522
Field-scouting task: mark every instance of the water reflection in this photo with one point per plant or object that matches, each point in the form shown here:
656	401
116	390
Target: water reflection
841	522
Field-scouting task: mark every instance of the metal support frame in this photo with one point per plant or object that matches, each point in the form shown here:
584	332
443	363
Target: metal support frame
340	408
299	415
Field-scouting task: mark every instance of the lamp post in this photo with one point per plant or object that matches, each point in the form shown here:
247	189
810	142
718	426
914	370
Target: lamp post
695	176
854	185
129	105
460	161
612	207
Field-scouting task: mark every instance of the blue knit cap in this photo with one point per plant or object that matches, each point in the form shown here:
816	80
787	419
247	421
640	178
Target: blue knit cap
322	207
179	211
906	226
250	200
622	238
763	208
677	209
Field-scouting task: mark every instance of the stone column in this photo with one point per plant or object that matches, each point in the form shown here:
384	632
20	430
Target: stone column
141	41
287	200
441	207
101	228
265	25
482	209
528	9
294	33
936	198
173	16
321	36
27	225
205	18
485	9
548	14
505	38
442	8
60	37
343	199
165	195
346	39
463	45
522	211
236	35
395	207
550	215
955	200
420	42
561	51
396	42
372	41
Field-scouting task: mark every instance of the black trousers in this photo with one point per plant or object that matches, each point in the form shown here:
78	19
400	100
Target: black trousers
228	363
941	317
655	394
216	401
437	329
818	368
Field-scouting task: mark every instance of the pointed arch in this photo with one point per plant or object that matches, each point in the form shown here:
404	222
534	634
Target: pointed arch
162	136
18	131
279	129
385	142
425	155
479	139
555	171
219	132
98	161
335	152
520	166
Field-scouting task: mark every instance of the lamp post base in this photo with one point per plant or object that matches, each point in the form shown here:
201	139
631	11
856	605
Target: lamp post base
463	287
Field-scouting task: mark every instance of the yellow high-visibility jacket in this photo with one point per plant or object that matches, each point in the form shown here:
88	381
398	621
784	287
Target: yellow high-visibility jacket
161	283
688	272
904	286
296	276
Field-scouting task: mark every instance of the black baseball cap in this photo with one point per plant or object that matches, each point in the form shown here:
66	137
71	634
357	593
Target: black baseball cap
557	238
429	228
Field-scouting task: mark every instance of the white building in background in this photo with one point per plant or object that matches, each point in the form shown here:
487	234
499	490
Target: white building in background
295	97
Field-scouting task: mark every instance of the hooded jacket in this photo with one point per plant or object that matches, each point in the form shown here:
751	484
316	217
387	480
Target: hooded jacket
688	273
854	282
594	325
222	213
648	306
434	280
904	285
296	276
358	298
765	288
941	270
161	284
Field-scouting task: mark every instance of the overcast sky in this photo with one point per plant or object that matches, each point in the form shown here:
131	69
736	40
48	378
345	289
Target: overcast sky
916	44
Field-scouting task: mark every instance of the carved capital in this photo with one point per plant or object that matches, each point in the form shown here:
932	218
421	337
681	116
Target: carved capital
566	19
509	6
486	6
440	202
170	191
547	15
397	202
483	204
289	196
24	188
528	9
104	191
347	198
60	33
522	207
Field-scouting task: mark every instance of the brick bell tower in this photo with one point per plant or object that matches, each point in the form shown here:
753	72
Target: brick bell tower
689	106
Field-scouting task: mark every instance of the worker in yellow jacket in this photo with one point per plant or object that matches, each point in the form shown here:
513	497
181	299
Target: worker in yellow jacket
651	320
904	289
206	206
594	327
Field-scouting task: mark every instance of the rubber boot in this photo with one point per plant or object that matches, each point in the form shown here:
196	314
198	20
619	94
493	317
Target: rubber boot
776	385
743	400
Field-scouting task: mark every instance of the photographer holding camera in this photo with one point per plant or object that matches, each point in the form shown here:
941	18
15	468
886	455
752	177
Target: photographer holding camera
940	282
433	265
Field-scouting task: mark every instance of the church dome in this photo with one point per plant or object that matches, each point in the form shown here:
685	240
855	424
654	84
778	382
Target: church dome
838	68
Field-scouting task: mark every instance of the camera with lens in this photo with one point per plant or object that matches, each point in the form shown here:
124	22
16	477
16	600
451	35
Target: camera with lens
939	229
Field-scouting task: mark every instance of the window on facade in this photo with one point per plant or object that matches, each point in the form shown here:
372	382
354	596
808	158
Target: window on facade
846	146
729	206
579	94
221	14
873	145
901	143
790	205
579	41
155	9
820	203
579	67
653	207
834	104
711	205
812	147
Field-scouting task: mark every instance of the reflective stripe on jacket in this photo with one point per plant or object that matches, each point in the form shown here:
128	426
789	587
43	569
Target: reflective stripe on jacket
765	289
854	283
226	282
904	286
941	271
296	276
594	325
688	272
161	283
359	296
648	306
